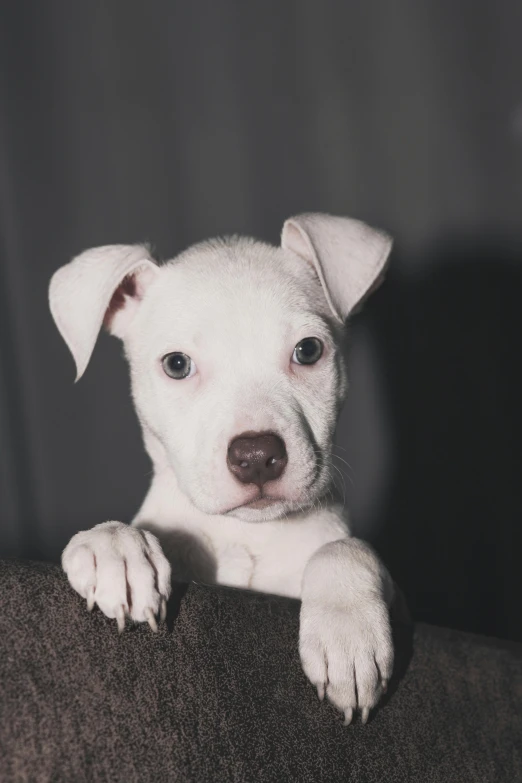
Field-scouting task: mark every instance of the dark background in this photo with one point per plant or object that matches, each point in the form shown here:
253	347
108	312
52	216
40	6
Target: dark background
127	121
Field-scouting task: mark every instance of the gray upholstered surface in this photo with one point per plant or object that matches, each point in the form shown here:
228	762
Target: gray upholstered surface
219	695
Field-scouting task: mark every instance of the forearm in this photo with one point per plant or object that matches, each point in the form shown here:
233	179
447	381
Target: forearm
344	570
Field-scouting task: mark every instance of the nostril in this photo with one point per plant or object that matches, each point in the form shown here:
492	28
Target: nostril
256	458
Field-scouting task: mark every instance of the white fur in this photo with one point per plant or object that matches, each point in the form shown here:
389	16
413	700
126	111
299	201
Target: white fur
238	307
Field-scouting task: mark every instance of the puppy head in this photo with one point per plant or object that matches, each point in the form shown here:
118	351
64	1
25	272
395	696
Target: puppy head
235	351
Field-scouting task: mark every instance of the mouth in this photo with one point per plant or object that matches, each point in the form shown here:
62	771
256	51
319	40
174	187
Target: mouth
258	503
263	502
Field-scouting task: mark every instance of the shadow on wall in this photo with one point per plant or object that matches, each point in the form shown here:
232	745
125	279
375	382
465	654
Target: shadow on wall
450	346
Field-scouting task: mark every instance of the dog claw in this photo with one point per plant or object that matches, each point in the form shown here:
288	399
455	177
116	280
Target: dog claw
120	618
365	713
163	610
348	715
320	691
149	614
90	599
384	686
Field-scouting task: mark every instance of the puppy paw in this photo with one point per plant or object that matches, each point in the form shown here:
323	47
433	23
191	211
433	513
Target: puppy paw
122	570
347	653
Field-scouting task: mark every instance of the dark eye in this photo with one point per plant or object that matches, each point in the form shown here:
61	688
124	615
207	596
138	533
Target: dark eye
308	351
178	365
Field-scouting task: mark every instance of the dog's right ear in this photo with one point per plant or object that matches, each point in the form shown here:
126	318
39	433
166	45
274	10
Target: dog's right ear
101	286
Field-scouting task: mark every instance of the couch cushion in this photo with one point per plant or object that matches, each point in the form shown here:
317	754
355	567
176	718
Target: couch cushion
218	695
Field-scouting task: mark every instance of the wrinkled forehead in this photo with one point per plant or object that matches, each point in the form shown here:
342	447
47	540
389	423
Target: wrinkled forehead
232	290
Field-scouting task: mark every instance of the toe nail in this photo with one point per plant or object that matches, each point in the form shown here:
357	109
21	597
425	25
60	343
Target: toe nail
365	714
163	610
120	618
90	599
320	691
348	715
149	614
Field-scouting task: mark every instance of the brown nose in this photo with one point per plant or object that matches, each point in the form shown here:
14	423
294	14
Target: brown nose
257	458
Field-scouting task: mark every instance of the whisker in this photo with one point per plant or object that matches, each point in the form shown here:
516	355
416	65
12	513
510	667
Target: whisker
341	476
336	456
335	467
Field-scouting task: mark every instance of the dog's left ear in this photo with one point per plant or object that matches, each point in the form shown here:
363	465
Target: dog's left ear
348	256
101	286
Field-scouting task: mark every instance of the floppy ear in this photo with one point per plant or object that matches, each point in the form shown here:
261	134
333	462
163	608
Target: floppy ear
348	256
103	285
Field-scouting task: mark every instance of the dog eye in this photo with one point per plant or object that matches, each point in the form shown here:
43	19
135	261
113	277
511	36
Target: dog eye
308	351
178	365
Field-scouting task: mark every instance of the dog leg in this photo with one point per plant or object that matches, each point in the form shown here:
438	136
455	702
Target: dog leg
345	635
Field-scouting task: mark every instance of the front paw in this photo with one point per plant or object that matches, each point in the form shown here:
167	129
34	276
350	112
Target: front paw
121	569
347	652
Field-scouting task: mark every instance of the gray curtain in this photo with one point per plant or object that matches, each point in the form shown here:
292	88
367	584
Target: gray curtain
127	121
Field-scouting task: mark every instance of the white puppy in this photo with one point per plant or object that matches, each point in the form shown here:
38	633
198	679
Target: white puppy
236	354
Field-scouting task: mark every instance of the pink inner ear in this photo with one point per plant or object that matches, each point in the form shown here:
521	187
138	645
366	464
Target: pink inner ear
295	241
128	288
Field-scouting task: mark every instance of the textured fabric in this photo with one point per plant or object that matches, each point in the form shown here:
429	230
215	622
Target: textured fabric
218	695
